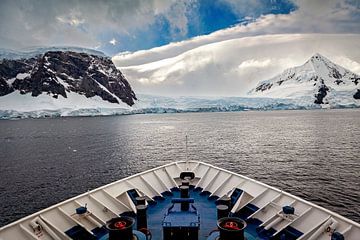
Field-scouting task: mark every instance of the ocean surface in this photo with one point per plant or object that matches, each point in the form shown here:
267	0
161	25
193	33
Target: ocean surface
312	154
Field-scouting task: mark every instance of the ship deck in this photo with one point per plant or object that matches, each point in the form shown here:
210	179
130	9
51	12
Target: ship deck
260	205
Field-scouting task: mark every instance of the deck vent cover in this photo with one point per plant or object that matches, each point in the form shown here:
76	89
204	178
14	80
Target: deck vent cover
189	175
288	210
337	236
81	210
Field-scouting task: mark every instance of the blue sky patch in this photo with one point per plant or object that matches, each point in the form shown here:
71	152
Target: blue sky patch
203	17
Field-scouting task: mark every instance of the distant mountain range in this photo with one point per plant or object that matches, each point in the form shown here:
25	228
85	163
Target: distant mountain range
319	78
68	83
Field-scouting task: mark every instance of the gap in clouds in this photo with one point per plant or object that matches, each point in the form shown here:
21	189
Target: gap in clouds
187	19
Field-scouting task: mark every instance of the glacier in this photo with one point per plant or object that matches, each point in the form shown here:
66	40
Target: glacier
44	106
151	104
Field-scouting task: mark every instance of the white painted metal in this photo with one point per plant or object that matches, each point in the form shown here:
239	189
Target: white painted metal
110	200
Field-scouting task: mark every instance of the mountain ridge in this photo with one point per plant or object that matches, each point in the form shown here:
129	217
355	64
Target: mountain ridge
318	76
58	73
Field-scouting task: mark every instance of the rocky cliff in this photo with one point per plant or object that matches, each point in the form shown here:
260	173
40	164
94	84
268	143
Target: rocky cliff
58	73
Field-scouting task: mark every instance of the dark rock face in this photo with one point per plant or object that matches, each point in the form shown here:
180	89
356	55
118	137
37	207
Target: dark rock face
58	73
355	80
4	87
336	74
10	68
322	92
357	94
264	86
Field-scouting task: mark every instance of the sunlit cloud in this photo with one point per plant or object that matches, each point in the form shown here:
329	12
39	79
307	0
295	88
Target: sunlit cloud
113	41
232	67
261	63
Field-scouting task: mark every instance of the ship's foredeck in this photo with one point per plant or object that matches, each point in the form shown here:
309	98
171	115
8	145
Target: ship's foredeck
260	205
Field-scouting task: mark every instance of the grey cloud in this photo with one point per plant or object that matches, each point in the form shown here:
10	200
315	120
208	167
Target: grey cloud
76	22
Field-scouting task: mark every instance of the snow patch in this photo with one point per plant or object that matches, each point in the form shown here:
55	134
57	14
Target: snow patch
11	81
22	76
74	102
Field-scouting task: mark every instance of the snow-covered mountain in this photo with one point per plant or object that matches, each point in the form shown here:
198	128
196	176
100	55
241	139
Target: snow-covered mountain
36	51
63	80
318	79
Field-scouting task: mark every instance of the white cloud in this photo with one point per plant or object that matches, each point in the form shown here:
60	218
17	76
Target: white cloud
71	21
261	63
232	67
73	18
348	63
113	41
79	23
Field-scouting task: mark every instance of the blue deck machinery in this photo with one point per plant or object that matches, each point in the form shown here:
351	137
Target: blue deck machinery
181	220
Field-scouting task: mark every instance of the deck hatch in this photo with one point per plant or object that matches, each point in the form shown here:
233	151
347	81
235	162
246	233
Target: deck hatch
79	233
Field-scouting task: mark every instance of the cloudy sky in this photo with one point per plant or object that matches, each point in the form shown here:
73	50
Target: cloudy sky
124	25
191	47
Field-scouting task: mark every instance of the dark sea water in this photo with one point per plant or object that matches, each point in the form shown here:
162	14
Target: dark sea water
311	154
